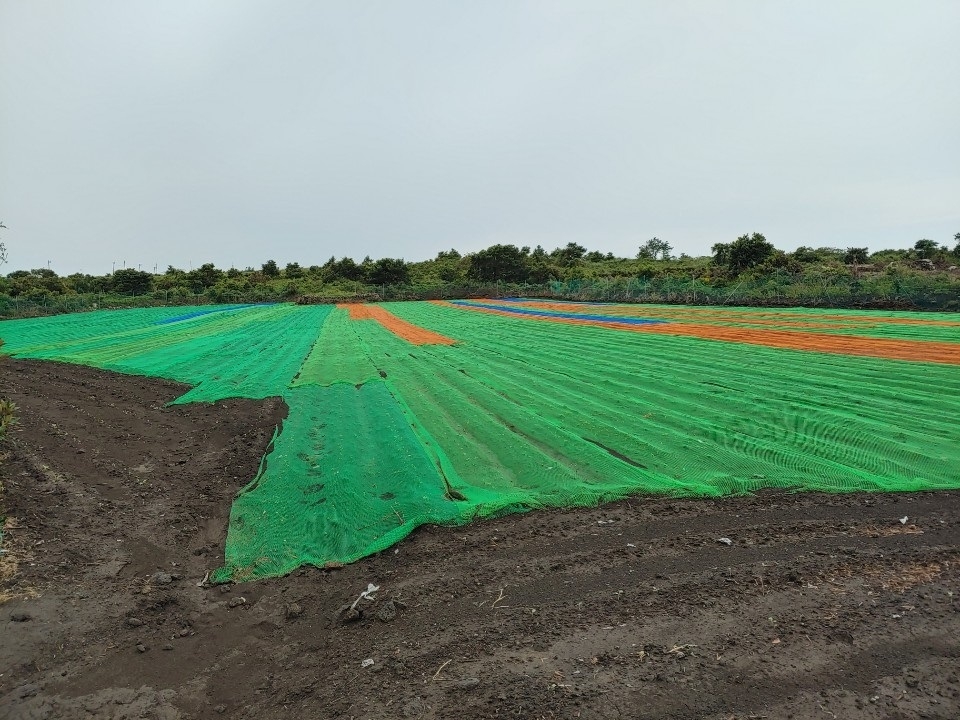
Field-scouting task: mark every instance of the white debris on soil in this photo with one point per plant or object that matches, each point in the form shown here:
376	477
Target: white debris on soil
366	595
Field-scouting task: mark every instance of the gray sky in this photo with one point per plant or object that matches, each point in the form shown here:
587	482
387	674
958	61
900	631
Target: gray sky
234	132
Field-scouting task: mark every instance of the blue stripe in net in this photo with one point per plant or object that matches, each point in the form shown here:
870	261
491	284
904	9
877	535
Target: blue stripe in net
566	316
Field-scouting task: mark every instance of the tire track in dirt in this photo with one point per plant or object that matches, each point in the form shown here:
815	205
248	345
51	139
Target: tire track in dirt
824	604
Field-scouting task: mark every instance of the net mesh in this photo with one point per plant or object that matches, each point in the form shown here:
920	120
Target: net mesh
387	431
250	352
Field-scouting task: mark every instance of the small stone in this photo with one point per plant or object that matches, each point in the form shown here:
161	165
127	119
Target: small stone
134	622
294	611
220	709
25	691
141	648
224	589
184	632
351	614
387	611
234	602
21	617
168	646
162	578
466	683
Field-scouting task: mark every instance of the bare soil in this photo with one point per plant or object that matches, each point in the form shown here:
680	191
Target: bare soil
820	606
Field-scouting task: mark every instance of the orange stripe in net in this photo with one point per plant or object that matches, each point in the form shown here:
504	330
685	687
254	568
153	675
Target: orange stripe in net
916	350
704	316
413	334
748	316
889	349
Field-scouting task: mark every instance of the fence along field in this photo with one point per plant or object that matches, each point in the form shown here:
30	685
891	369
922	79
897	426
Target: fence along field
444	412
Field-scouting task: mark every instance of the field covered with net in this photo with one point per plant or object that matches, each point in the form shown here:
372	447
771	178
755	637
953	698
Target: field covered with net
405	414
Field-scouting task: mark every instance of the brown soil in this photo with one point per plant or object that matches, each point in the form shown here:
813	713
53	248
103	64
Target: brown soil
822	606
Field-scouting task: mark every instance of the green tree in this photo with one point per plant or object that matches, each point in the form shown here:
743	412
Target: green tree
721	254
173	277
745	252
655	248
36	284
293	270
132	281
270	269
498	262
539	272
450	272
85	283
956	248
925	249
390	271
203	277
567	256
856	256
345	269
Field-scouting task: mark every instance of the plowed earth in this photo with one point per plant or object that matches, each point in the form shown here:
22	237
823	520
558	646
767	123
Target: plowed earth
819	606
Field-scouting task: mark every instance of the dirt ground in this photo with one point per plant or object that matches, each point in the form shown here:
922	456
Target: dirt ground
818	607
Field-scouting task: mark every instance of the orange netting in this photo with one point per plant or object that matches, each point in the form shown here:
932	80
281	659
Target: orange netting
890	349
413	334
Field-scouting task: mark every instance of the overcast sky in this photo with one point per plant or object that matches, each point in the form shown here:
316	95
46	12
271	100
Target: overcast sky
156	133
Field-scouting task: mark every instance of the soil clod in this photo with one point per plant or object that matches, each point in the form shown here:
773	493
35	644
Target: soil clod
544	614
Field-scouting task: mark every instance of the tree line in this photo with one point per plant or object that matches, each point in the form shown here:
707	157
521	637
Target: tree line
749	256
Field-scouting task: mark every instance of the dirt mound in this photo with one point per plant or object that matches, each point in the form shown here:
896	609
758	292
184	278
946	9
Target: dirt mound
806	606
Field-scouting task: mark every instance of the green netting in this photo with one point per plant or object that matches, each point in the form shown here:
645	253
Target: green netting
225	352
337	356
62	329
347	477
943	327
524	414
709	417
383	436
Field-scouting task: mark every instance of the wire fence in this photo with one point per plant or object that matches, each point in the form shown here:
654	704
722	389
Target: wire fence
888	291
909	292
